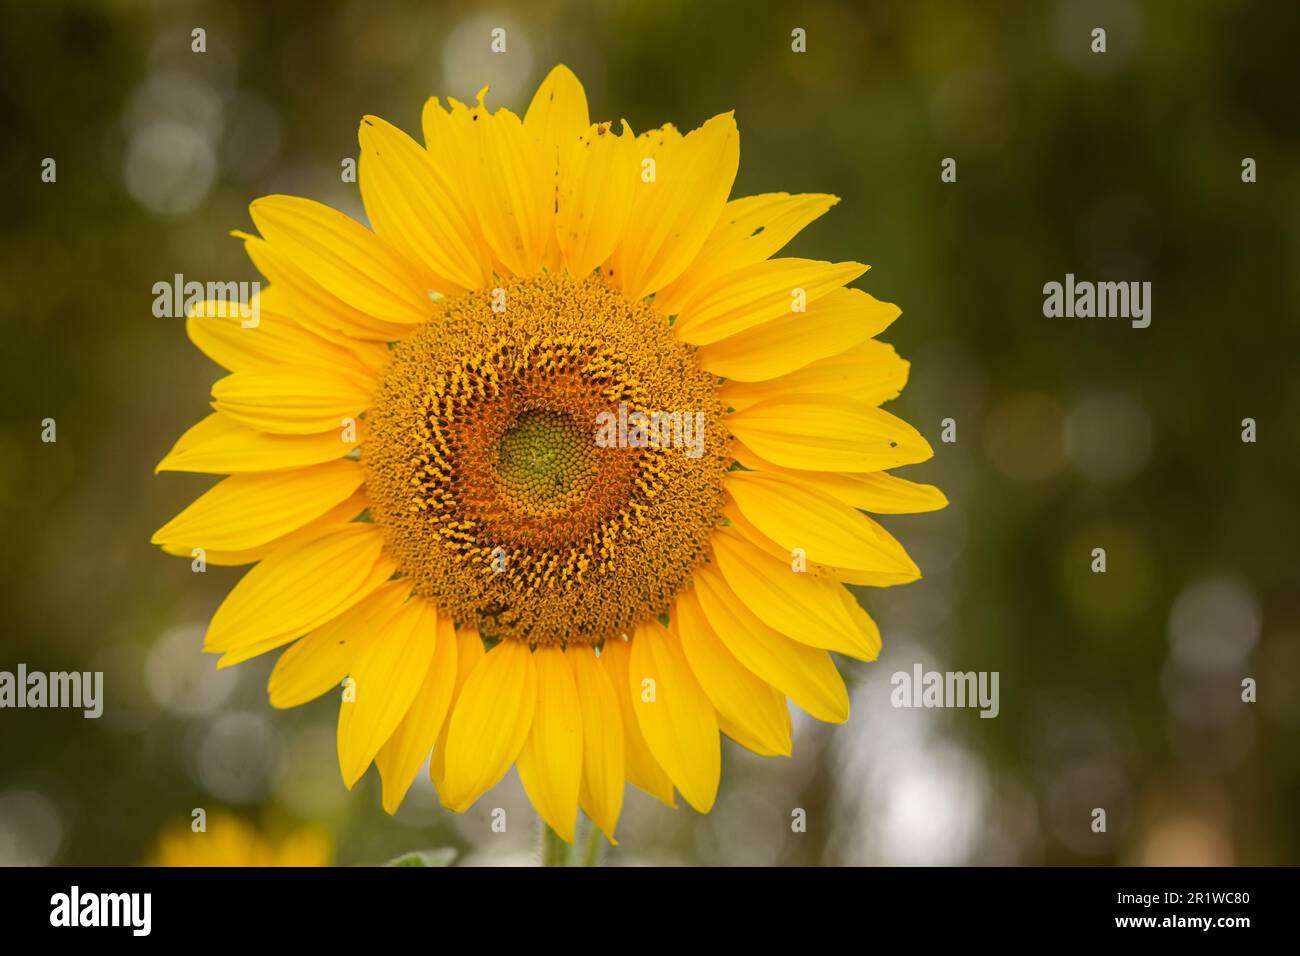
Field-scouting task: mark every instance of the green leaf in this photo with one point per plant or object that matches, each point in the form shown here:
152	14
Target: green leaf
444	856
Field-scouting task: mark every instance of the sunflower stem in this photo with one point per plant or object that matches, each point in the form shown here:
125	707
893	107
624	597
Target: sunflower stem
555	852
591	850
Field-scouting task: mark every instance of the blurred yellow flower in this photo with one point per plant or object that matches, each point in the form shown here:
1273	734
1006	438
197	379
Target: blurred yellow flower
229	841
559	400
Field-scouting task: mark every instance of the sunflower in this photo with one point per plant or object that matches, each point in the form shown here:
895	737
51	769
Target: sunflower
230	841
555	465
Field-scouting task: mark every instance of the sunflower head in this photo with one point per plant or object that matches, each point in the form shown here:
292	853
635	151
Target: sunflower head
555	464
482	468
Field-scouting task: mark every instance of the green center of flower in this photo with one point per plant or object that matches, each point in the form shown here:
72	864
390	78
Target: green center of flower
545	456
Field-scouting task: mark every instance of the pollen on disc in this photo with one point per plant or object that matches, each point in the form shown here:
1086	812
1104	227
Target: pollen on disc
484	470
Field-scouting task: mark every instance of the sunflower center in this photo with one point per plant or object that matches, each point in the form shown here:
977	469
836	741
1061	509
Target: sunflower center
545	458
491	469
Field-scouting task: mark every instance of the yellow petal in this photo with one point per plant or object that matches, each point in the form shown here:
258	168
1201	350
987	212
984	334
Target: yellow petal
676	718
868	635
275	339
870	373
222	446
514	196
558	112
413	206
292	592
292	401
246	652
399	760
878	492
318	662
283	300
867	629
337	517
804	607
299	294
755	712
836	322
386	675
874	579
764	292
885	494
737	521
643	770
550	763
804	674
601	793
673	214
450	143
244	511
829	531
598	179
750	229
754	228
469	651
879	579
343	257
555	119
490	723
824	433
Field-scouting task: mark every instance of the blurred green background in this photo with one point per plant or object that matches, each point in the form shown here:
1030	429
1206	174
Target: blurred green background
1118	690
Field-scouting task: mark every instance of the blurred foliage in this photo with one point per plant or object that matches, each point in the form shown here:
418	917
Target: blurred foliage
1118	166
